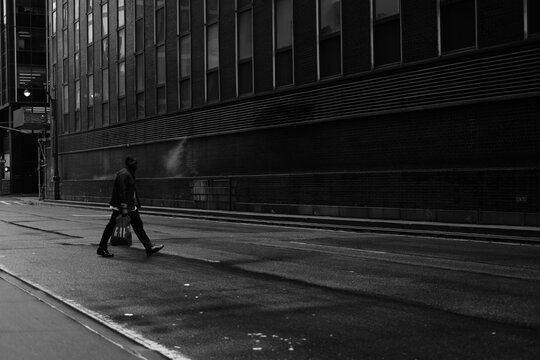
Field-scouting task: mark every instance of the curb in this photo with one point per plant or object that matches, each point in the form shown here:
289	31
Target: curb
508	234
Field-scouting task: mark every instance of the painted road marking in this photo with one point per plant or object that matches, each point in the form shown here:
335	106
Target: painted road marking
339	248
5	202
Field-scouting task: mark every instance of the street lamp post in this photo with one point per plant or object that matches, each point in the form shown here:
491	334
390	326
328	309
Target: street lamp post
54	142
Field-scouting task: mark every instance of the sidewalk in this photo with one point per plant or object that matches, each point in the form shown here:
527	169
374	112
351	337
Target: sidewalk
500	233
35	326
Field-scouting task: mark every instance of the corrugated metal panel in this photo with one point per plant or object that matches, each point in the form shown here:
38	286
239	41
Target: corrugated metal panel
515	73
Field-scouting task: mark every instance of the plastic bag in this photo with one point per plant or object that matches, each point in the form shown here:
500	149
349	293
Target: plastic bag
122	232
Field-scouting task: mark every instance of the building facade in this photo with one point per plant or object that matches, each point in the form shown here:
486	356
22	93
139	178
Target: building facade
23	99
416	110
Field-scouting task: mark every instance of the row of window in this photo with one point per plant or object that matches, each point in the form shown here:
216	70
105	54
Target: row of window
457	30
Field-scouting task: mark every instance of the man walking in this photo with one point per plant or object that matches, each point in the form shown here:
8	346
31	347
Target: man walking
125	201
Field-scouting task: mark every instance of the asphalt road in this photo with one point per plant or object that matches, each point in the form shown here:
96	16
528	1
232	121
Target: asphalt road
244	291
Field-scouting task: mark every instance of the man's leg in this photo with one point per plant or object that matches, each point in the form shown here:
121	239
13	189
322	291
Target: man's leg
107	233
138	227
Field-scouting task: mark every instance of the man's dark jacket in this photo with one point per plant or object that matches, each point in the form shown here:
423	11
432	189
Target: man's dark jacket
124	195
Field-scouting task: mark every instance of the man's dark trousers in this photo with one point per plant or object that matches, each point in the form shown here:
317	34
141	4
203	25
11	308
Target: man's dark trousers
136	224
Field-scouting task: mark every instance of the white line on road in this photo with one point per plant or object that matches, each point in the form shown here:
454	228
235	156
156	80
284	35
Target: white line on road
338	247
91	215
5	202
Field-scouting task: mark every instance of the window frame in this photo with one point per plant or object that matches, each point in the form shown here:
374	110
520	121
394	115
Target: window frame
279	51
439	28
387	19
239	62
182	80
328	37
214	71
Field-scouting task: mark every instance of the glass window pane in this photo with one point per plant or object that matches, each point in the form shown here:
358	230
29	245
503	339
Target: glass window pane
77	60
185	56
139	8
121	44
212	47
105	19
90	28
105	52
105	82
77	95
77	10
330	16
160	25
458	25
184	16
533	16
245	83
387	41
90	60
77	36
140	105
65	42
284	69
121	109
185	93
91	90
385	8
139	35
244	35
122	79
211	11
160	65
283	23
140	72
330	52
105	114
121	13
212	86
160	3
161	100
66	99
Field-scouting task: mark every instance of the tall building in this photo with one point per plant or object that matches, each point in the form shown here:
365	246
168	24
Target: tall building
389	109
23	99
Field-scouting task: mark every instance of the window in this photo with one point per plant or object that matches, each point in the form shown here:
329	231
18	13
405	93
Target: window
90	90
212	51
65	43
160	22
386	32
105	19
90	60
90	28
77	105
91	95
244	40
161	79
139	59
457	23
184	46
533	16
66	108
283	54
121	44
105	97
121	13
77	65
77	36
139	35
77	10
105	52
329	38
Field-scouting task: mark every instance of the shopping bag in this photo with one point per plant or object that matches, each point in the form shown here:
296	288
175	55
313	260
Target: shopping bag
122	232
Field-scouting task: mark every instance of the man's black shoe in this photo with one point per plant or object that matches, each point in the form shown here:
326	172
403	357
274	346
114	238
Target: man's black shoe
104	253
153	250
